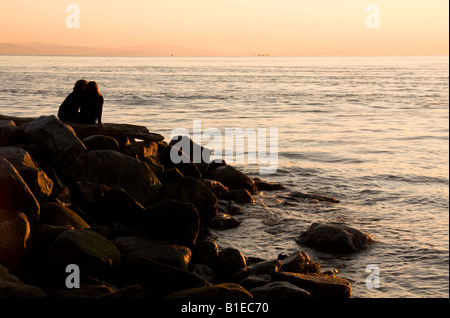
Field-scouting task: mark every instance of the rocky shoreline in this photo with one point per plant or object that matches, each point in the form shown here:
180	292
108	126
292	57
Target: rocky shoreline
111	201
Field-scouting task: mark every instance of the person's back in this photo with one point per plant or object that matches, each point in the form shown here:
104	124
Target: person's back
68	111
92	108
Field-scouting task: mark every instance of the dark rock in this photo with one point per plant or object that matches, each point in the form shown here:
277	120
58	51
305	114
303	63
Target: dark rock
171	174
172	221
320	286
221	291
232	178
37	180
162	252
158	279
100	142
335	237
146	152
129	292
89	288
267	186
299	262
112	168
216	187
197	154
204	272
8	133
230	260
15	195
56	139
224	222
12	287
239	196
94	254
205	252
53	213
279	290
253	281
185	166
14	240
265	268
193	191
312	197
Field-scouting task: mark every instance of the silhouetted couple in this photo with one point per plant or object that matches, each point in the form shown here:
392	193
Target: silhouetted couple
84	105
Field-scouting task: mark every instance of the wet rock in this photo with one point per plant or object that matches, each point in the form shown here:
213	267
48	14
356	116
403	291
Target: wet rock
14	240
216	187
299	262
224	222
203	271
15	195
279	290
94	254
312	197
56	139
129	292
335	237
193	191
100	142
12	287
56	214
172	221
229	262
158	279
112	168
89	288
232	178
221	291
8	133
239	196
162	252
320	286
265	268
37	180
263	185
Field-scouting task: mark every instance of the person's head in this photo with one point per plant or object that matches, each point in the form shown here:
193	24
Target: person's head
92	88
80	85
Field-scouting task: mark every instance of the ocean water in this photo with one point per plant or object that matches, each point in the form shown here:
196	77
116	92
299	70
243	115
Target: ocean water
370	131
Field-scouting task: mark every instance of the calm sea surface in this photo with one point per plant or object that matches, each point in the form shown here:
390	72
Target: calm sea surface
372	132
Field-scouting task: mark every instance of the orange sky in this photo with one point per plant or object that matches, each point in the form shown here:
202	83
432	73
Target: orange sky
236	27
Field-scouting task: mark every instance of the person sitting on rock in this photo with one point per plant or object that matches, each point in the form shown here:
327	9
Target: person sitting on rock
92	108
69	109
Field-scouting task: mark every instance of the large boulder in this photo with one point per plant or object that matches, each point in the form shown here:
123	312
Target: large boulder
13	288
197	154
100	142
193	191
112	168
56	139
132	247
220	291
56	214
172	221
15	195
335	237
158	279
229	262
107	205
168	156
36	179
8	133
94	254
232	178
279	290
300	262
320	286
14	240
